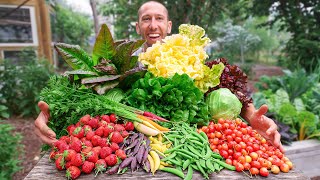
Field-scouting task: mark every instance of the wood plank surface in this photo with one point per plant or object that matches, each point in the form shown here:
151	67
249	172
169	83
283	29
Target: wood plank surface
46	170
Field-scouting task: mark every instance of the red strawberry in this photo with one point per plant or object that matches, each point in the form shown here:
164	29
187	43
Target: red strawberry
73	172
89	135
103	142
124	134
104	152
63	146
97	149
86	129
60	163
68	164
92	156
116	137
69	154
77	160
119	128
70	128
121	154
77	124
100	166
85	119
86	143
78	132
111	160
114	146
65	138
103	124
52	155
107	130
75	144
86	150
105	118
113	118
129	126
99	131
93	123
60	145
87	167
95	140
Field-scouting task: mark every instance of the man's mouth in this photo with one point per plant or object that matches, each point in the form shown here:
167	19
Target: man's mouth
154	36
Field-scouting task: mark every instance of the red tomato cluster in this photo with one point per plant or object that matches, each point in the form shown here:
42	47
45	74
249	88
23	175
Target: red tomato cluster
244	148
91	144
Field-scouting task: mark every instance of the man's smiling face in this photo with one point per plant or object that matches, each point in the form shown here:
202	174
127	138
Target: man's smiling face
153	24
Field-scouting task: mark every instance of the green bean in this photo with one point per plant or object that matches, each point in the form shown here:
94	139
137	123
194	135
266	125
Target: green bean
204	136
173	171
201	170
210	165
196	142
189	174
223	164
175	162
194	151
184	155
203	163
208	153
173	149
216	156
216	166
188	153
169	157
186	164
194	166
198	136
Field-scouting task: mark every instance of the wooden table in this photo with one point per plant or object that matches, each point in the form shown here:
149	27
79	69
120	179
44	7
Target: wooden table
46	170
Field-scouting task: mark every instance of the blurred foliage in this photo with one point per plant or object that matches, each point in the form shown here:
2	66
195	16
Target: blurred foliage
11	149
20	85
200	12
301	19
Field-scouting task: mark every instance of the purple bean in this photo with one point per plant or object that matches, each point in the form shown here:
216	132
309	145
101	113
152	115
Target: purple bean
146	166
132	144
134	136
135	150
145	155
126	162
140	154
133	164
113	170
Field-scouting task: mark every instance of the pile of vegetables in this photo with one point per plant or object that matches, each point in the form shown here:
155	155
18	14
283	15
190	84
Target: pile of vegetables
112	115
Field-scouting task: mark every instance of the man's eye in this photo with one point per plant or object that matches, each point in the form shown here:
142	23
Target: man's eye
159	18
146	19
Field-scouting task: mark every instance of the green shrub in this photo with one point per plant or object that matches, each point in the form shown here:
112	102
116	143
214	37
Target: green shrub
11	149
20	85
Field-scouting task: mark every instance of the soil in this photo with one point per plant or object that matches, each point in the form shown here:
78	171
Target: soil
32	144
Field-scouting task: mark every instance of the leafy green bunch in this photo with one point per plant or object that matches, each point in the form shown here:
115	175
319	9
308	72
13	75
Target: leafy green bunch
175	98
111	64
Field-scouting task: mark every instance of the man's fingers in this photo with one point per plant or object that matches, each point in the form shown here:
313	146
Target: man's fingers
41	125
44	107
45	139
272	129
261	111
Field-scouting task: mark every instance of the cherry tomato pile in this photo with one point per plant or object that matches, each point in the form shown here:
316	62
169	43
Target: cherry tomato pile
244	148
92	144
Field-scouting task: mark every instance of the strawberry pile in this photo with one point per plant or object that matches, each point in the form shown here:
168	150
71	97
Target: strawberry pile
244	148
92	144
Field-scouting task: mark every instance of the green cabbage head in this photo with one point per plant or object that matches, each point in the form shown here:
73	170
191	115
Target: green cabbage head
224	104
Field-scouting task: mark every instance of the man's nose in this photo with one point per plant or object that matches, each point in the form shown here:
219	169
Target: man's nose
153	24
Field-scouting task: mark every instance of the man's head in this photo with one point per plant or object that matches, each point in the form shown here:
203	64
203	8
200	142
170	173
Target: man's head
153	22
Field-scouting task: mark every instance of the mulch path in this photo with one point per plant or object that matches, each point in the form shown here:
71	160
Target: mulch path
32	144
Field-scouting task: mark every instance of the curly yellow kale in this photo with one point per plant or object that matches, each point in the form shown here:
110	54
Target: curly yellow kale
183	53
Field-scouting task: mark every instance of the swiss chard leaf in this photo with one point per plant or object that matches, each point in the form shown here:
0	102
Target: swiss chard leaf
104	45
99	79
80	71
103	88
76	57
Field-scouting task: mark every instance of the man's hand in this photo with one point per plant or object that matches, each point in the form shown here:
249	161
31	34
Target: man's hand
265	126
41	129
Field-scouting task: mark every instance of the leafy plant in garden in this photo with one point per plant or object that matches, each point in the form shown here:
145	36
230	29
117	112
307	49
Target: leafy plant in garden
109	66
20	85
175	98
11	149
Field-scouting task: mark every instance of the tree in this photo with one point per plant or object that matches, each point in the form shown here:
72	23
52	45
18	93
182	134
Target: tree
204	13
236	40
300	18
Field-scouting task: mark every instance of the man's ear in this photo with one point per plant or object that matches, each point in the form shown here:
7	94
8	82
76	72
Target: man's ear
169	27
138	28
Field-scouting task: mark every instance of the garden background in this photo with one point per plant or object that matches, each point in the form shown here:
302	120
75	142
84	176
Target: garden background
276	43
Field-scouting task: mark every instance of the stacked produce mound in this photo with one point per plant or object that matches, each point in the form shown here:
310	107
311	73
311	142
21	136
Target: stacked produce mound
174	114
